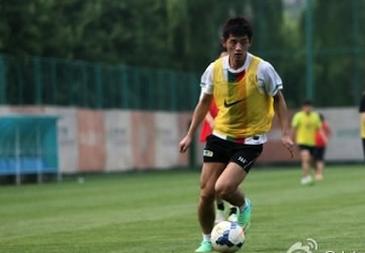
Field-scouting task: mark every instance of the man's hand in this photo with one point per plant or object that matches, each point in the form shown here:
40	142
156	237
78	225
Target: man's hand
288	144
185	143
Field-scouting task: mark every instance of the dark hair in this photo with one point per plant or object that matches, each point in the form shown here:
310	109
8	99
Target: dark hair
321	116
238	26
307	102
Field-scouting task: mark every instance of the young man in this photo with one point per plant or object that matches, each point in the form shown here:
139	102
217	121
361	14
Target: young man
246	90
362	121
305	124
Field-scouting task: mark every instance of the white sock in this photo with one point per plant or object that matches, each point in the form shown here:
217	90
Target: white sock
206	237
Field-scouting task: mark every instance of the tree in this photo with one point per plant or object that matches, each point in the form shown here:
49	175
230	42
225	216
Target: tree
338	50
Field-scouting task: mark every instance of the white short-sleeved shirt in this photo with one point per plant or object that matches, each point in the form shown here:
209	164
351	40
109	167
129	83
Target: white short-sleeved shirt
269	81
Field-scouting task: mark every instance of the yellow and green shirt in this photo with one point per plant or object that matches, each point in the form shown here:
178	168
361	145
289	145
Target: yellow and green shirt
244	97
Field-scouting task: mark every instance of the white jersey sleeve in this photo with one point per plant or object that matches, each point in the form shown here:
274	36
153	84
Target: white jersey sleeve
206	81
269	80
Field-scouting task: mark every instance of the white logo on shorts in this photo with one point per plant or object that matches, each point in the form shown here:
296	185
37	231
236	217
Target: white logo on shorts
242	159
207	153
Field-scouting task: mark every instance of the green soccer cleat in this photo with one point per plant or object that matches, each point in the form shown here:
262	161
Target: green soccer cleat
244	217
205	246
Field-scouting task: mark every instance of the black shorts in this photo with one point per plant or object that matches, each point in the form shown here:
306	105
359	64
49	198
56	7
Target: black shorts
307	147
318	153
223	151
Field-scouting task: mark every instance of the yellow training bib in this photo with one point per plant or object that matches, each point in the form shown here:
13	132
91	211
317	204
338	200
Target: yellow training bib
244	110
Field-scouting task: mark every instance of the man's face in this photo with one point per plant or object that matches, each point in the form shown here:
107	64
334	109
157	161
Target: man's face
307	108
237	47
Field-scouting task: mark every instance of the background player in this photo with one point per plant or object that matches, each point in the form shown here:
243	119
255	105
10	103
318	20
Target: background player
305	124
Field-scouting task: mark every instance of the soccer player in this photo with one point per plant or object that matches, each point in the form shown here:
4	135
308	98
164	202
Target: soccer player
321	139
247	91
305	124
362	121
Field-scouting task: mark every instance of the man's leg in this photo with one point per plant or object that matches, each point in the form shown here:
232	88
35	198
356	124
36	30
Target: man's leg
319	170
206	210
227	187
306	159
318	157
208	178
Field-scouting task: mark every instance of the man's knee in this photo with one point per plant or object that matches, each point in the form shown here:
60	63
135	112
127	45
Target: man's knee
207	195
224	190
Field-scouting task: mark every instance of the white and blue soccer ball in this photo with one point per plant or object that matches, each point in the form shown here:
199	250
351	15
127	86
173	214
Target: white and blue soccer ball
227	237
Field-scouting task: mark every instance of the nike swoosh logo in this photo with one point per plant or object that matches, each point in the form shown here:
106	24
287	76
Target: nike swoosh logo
232	103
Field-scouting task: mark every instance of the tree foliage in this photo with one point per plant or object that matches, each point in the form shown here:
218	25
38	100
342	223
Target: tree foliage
178	34
338	51
185	35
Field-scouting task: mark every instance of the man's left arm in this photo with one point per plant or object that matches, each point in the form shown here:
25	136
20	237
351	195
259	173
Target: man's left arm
271	83
282	111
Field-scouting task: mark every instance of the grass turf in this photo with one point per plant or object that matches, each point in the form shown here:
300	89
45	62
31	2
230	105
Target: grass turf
156	212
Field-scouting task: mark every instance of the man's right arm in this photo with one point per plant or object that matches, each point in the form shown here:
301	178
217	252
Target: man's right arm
201	108
199	114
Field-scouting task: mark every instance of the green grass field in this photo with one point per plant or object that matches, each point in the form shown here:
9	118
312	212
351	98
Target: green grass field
156	212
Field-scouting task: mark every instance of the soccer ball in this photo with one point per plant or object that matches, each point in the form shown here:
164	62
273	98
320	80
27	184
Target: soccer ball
227	237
